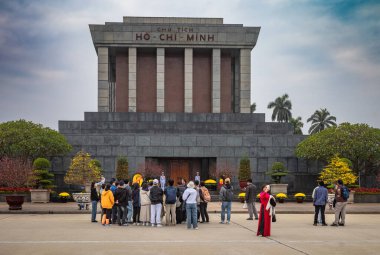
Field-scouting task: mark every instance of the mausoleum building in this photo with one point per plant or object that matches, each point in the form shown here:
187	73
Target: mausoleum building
175	93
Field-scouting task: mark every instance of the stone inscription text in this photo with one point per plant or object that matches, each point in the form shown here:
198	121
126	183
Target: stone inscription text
174	34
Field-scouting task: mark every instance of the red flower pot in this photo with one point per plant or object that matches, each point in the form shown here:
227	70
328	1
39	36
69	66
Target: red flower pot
15	202
242	184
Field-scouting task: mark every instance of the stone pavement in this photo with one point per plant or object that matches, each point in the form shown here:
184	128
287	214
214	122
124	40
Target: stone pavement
213	207
73	234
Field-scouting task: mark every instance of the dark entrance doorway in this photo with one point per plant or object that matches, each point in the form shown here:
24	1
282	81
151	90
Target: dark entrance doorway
178	170
185	168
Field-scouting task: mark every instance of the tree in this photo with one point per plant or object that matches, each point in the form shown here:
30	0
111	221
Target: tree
15	172
277	172
98	164
281	108
42	178
25	139
82	170
150	169
338	168
244	169
357	142
297	124
122	168
320	120
253	107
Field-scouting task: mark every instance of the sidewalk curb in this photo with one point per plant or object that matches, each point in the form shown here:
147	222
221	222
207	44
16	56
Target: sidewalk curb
210	212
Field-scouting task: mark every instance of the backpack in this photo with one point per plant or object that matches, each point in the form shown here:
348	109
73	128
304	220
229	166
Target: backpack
171	195
345	192
206	194
229	195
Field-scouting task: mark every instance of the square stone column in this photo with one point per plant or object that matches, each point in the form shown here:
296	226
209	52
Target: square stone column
188	80
245	80
132	92
103	80
216	81
160	79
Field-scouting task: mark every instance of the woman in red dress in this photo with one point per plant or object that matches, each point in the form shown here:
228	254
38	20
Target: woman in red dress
264	217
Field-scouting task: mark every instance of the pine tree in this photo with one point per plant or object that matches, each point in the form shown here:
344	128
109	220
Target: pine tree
122	168
42	178
244	169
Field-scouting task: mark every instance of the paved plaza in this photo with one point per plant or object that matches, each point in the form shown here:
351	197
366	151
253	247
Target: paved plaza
292	234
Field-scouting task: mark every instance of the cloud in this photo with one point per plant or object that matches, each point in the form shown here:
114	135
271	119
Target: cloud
322	54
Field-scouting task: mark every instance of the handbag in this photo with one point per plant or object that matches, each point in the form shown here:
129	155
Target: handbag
245	206
272	202
274	218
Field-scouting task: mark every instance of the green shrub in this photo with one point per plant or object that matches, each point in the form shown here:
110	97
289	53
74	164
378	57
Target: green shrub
277	172
244	169
122	168
42	178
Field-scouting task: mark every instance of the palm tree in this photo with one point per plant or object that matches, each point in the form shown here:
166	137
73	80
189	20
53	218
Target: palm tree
320	120
253	107
282	107
297	124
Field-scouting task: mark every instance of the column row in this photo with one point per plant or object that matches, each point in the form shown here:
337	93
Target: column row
129	87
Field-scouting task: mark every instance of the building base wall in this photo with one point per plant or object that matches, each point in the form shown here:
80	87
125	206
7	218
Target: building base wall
224	137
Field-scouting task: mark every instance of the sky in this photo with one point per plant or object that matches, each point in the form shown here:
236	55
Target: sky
323	54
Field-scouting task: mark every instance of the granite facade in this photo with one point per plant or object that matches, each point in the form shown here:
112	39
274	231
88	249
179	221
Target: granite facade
226	137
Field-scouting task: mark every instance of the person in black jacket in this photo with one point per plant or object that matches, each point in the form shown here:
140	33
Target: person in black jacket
250	198
136	203
94	202
156	204
121	201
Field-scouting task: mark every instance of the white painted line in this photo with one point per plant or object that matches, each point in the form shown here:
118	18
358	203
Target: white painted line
332	241
136	241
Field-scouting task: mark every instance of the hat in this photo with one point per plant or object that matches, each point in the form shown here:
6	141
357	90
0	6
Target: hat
190	185
155	181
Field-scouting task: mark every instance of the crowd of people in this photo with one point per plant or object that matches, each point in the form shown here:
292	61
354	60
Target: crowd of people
152	203
148	205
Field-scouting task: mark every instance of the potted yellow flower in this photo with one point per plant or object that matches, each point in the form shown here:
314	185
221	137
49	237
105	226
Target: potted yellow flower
210	184
281	197
300	197
242	197
64	196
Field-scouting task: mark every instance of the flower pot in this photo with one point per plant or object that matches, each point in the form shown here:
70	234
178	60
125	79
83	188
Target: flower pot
83	200
299	200
210	186
40	195
279	188
63	199
281	200
15	201
243	184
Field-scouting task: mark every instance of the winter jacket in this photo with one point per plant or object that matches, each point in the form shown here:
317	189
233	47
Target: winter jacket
144	197
136	197
320	196
129	189
181	190
94	195
167	189
107	199
121	195
190	196
250	193
226	193
155	195
338	194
